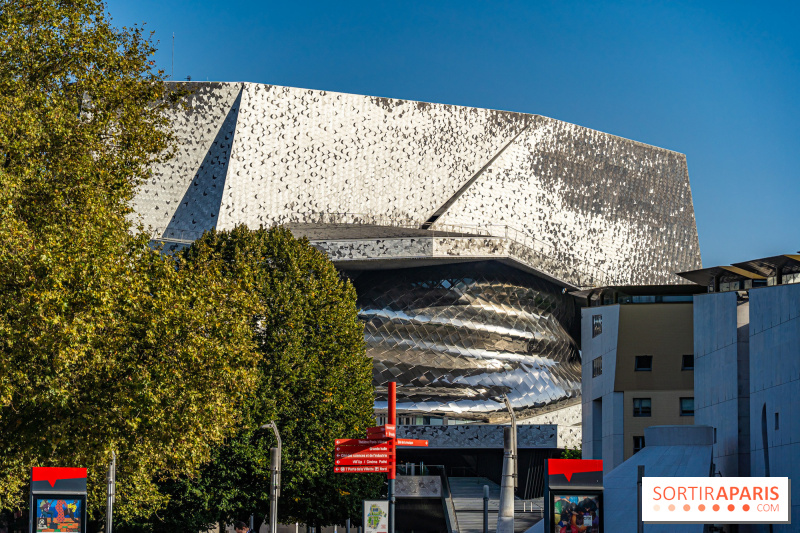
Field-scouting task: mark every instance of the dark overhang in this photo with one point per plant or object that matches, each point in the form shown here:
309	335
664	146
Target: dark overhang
723	274
642	290
772	266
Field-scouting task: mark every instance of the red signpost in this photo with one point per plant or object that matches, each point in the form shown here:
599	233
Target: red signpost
376	453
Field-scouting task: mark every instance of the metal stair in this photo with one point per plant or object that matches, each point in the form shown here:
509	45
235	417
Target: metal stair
467	494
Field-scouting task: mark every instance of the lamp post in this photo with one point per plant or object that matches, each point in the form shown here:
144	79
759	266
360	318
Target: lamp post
275	481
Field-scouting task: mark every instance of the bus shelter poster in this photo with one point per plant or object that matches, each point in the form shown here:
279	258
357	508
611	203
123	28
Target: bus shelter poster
376	516
576	513
55	514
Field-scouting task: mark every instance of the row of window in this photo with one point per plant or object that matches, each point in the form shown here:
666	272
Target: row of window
642	406
642	363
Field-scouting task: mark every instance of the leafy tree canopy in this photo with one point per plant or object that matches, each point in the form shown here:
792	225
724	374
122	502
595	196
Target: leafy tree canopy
104	343
314	380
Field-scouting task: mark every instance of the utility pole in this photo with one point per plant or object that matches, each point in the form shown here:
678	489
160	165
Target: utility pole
513	440
172	76
505	514
275	478
111	492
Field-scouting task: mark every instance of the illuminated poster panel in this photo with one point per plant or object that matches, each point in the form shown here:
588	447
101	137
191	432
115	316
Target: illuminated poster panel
576	513
59	513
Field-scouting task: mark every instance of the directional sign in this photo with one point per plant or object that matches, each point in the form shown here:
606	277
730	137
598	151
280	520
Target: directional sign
361	469
368	454
384	445
411	442
387	431
358	461
360	442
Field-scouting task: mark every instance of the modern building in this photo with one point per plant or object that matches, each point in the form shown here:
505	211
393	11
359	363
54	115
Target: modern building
462	229
637	366
747	368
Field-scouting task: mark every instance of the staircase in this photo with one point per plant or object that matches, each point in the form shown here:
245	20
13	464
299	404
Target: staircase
467	494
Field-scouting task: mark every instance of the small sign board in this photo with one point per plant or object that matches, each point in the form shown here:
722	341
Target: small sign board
411	442
731	500
376	516
355	460
387	431
362	469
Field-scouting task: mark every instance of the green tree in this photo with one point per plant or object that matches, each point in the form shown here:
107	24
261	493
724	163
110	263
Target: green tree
315	381
104	343
572	453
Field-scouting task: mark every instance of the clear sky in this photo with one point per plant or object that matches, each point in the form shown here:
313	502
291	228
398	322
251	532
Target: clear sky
717	81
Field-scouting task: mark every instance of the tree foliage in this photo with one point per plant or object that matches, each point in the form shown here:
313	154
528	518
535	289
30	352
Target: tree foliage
104	343
572	453
314	380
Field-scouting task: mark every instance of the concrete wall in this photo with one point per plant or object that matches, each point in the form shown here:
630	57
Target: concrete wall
721	377
775	386
603	435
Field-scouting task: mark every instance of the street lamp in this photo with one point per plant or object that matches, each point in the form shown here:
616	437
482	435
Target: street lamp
275	482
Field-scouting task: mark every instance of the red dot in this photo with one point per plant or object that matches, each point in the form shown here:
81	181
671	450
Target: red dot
687	507
731	507
671	507
701	507
746	507
716	507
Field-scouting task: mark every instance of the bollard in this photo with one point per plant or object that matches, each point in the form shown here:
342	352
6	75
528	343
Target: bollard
486	509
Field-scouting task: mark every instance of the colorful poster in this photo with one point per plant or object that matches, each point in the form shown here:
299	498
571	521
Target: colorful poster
57	514
376	516
576	513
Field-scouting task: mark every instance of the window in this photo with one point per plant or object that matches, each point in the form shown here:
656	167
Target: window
643	363
777	422
715	435
687	406
638	443
597	325
687	363
597	366
641	407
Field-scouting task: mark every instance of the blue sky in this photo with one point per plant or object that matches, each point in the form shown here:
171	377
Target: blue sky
717	81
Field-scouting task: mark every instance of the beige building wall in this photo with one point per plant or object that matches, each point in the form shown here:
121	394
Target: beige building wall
664	331
665	411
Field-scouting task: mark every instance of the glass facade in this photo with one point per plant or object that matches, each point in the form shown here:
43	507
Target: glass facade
457	337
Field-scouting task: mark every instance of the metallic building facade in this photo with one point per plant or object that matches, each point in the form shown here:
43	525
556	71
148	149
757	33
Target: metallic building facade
460	336
388	188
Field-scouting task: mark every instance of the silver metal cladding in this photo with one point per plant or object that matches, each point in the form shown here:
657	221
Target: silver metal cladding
458	337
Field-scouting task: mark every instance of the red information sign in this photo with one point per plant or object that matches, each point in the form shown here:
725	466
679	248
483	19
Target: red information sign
367	454
361	469
360	442
411	442
387	431
376	453
356	460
